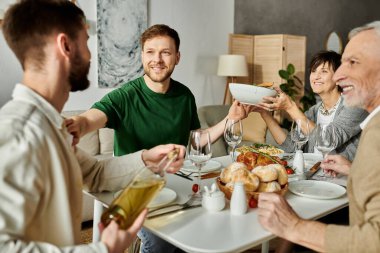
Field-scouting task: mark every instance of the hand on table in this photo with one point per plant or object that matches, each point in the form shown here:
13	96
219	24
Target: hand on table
154	155
334	164
276	215
118	240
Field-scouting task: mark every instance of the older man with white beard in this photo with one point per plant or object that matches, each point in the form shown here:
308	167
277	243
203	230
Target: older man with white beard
359	77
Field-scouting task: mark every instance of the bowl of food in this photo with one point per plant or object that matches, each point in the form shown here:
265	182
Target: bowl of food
267	178
250	94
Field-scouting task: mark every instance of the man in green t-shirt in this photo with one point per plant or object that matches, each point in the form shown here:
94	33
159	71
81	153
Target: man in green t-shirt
150	110
153	109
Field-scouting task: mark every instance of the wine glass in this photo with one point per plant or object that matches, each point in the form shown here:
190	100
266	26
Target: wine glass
325	140
199	153
299	132
233	134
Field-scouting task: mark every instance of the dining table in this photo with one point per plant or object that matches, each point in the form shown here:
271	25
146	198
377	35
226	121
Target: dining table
199	230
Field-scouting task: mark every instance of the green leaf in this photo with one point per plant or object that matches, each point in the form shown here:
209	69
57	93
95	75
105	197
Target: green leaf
291	69
283	74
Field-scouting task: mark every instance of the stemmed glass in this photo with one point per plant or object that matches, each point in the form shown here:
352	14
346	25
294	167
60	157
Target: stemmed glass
299	132
233	134
199	153
325	140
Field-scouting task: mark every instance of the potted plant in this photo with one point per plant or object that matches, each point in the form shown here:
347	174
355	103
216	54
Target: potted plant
293	84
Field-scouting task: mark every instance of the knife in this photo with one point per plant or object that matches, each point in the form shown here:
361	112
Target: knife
171	211
210	175
184	176
312	171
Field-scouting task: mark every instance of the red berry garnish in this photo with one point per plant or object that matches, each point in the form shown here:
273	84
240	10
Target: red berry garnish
289	171
195	188
252	202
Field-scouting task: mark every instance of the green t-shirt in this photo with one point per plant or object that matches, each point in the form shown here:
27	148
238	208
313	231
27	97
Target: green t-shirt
143	119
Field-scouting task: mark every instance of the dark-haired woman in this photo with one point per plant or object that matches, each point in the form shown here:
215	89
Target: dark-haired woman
329	111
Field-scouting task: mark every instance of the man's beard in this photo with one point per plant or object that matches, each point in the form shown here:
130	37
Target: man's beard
156	78
78	74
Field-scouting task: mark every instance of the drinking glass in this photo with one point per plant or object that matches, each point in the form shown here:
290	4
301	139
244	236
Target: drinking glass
233	134
299	132
325	140
199	153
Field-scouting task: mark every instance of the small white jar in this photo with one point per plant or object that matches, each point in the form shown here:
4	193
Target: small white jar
213	202
299	162
238	202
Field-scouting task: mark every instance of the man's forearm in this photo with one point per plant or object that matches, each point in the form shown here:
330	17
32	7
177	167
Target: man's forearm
310	234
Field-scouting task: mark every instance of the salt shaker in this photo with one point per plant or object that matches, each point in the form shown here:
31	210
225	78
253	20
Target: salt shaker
298	162
238	202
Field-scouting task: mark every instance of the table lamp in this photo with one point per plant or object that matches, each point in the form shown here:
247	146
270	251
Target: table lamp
231	66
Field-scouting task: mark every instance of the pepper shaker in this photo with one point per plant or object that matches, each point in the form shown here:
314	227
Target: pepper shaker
238	202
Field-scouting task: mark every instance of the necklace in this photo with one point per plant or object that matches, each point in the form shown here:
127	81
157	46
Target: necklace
327	112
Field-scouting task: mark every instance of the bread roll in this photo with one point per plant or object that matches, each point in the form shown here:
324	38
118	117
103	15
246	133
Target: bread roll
265	84
238	172
227	172
251	181
273	186
282	175
265	173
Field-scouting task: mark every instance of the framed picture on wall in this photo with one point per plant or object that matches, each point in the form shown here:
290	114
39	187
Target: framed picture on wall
119	26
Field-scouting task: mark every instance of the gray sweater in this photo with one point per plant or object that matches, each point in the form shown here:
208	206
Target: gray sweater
346	125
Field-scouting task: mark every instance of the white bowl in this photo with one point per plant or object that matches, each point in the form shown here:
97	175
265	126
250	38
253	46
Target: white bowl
250	94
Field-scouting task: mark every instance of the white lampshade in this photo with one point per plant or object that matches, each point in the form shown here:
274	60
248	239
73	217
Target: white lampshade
232	65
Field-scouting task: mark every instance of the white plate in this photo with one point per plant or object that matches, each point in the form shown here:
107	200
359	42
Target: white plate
250	94
164	197
210	166
316	189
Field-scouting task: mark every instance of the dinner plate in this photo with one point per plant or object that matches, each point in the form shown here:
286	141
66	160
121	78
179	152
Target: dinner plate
208	167
164	197
316	189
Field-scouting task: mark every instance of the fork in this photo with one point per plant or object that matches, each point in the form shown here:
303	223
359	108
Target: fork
185	174
188	203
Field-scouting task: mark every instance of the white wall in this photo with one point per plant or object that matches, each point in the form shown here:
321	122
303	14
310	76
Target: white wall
203	26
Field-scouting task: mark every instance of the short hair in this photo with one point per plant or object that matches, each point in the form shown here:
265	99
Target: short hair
330	57
373	25
157	31
28	23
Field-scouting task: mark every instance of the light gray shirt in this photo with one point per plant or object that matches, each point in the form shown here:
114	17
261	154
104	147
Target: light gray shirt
42	177
346	124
